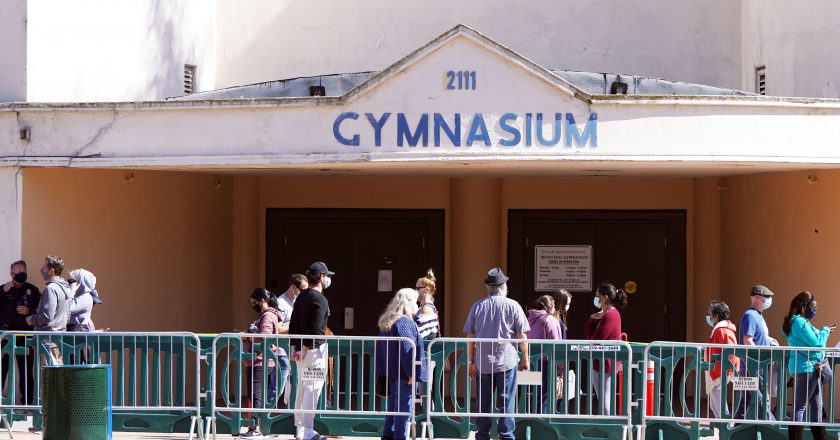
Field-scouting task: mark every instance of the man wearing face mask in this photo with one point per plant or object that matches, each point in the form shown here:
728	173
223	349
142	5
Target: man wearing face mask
309	317
753	331
18	300
54	310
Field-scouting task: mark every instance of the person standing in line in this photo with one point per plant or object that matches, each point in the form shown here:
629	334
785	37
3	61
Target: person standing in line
427	316
753	331
546	327
54	308
83	285
493	364
605	325
285	305
267	323
723	332
394	360
562	302
309	318
805	365
18	300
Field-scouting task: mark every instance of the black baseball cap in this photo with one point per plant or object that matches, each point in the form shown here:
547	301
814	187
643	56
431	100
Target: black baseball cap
320	267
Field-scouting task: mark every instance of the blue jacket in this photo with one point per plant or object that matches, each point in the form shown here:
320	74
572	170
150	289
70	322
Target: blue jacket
393	358
804	334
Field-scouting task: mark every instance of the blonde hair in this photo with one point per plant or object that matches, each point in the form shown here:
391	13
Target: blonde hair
400	305
428	281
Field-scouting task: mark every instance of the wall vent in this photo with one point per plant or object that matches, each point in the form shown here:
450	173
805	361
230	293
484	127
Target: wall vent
189	78
761	80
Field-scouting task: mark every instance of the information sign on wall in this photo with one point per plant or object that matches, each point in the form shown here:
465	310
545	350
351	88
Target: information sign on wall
563	267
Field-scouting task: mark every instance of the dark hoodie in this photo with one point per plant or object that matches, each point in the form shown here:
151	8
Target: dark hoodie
267	323
54	309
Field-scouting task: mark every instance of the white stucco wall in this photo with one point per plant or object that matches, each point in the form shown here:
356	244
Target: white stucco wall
102	50
12	50
797	42
695	41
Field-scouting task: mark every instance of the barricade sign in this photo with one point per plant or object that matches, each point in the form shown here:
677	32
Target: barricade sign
745	383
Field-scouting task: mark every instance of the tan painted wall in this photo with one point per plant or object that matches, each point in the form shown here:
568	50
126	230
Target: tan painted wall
160	245
781	231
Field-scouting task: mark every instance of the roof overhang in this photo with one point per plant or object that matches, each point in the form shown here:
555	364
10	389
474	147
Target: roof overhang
461	99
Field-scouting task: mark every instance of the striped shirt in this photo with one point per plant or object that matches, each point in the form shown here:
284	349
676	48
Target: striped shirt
427	324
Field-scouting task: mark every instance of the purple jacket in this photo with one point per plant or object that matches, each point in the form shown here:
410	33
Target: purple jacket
543	325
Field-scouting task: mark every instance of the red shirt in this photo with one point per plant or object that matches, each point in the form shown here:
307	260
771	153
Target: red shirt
608	328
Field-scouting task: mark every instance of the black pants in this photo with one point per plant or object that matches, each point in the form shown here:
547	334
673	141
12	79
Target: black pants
84	353
26	372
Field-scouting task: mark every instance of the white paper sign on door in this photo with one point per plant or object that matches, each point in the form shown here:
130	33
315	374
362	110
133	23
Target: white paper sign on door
562	267
385	281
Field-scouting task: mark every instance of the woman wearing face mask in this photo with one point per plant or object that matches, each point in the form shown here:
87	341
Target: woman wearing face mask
267	322
427	316
605	324
723	332
394	361
805	365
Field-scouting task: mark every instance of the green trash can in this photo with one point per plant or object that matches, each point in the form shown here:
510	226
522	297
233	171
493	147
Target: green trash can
76	402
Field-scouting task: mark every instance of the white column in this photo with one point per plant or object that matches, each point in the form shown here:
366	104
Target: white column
11	214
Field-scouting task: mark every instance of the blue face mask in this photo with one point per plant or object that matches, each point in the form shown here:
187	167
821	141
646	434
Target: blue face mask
597	302
709	321
768	302
810	313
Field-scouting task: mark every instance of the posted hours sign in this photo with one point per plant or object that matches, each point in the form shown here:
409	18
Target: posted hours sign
563	267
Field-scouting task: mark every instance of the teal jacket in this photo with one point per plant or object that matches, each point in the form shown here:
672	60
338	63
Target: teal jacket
803	334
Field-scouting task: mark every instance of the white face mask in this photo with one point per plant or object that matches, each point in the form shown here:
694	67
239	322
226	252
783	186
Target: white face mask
414	308
327	282
567	307
768	302
597	302
709	321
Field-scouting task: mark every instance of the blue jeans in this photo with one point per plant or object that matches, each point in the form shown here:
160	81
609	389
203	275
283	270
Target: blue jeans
496	389
284	367
400	397
807	391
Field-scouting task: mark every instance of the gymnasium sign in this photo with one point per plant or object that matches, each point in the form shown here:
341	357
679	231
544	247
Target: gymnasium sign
563	267
456	130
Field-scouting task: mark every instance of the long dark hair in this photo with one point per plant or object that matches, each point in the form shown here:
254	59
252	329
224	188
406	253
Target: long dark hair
263	293
798	305
617	297
562	298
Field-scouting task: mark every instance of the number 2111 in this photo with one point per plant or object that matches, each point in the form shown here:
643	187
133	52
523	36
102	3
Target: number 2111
461	80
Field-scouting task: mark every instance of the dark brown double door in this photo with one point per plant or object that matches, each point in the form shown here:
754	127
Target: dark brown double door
364	248
645	249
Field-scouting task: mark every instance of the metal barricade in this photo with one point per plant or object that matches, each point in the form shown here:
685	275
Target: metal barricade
247	380
731	387
595	377
153	372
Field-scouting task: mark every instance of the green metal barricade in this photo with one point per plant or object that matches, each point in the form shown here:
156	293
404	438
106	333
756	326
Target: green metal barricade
155	376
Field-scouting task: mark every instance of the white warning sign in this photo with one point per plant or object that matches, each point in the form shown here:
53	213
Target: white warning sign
745	383
563	267
314	373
